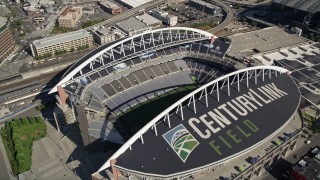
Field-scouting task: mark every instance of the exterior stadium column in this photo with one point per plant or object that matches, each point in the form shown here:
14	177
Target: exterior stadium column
63	96
56	120
114	170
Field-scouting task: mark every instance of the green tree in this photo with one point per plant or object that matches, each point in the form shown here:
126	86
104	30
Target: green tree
22	166
13	124
18	122
32	120
24	121
20	156
16	136
254	24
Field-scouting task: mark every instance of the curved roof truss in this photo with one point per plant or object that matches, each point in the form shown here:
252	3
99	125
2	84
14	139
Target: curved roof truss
140	43
213	86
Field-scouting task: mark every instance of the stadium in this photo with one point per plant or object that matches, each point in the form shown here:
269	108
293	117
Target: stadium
176	104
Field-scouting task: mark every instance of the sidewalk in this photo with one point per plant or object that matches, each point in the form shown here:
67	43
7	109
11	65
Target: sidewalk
5	168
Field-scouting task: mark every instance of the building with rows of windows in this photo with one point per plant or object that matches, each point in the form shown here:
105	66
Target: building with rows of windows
62	43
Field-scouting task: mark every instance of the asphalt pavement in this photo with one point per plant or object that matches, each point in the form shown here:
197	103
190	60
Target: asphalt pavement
4	174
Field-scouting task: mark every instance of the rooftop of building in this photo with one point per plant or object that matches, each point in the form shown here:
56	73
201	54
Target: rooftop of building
68	10
131	24
160	11
148	19
309	165
49	41
106	31
310	6
203	3
135	3
3	21
263	40
109	4
303	60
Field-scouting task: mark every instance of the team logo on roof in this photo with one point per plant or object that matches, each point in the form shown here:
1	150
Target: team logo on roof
181	141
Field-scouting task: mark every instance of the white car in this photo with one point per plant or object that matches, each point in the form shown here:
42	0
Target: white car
307	141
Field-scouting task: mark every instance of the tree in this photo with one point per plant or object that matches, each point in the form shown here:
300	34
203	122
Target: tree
18	122
22	166
16	136
13	124
24	121
254	24
32	120
238	6
20	156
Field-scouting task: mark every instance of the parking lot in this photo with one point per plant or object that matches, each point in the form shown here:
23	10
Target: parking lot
189	16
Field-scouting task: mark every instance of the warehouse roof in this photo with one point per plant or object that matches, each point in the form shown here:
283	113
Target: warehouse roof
134	3
109	4
148	19
131	24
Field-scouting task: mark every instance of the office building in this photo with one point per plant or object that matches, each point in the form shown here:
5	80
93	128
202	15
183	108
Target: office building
206	7
104	36
7	43
165	17
70	17
110	7
64	42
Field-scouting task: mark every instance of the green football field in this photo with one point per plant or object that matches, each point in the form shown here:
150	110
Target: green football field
135	118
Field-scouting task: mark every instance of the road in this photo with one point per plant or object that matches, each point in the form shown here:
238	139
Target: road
4	174
227	20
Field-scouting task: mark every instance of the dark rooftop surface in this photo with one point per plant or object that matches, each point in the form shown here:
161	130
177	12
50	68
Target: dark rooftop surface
309	165
156	156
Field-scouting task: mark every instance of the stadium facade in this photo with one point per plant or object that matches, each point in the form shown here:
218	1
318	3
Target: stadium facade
230	113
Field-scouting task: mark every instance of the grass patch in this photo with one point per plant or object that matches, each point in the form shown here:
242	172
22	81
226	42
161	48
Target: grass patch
18	136
91	23
58	29
204	25
135	118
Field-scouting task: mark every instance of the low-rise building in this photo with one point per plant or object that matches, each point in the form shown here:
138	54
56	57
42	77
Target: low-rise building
132	26
88	10
61	43
206	7
133	3
7	43
149	20
104	35
110	7
39	19
164	16
70	17
307	167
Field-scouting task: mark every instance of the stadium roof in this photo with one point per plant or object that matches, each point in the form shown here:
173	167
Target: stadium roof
311	6
304	63
209	131
112	52
49	41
